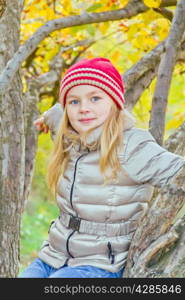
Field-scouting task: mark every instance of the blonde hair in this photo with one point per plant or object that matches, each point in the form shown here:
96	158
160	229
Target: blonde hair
108	143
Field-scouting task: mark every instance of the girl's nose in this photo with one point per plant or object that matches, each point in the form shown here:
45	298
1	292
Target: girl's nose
84	107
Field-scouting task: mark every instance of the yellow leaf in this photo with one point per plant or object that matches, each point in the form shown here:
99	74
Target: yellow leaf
161	27
164	23
149	16
152	3
68	8
123	2
115	56
174	123
103	27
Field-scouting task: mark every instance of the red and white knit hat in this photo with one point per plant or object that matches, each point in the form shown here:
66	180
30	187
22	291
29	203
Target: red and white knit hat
98	72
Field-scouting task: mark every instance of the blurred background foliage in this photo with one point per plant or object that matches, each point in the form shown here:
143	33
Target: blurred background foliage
124	42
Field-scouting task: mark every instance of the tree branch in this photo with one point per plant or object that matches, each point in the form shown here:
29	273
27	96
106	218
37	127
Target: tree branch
175	143
139	268
133	8
165	13
57	65
140	75
165	3
175	263
163	257
167	64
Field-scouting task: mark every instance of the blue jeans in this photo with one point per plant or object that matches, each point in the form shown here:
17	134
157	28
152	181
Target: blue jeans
39	269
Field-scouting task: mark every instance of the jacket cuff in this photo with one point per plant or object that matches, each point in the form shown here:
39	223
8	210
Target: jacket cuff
52	118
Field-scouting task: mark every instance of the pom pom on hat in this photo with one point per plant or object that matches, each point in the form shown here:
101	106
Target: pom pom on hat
98	72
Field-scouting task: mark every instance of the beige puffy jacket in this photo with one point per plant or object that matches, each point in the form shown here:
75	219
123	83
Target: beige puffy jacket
105	217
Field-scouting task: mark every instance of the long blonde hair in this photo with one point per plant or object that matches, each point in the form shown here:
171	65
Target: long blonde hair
109	142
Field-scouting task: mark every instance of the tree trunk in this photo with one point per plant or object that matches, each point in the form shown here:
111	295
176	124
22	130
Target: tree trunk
12	145
31	99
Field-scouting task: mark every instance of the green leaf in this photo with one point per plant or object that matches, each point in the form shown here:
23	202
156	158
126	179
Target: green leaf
94	7
91	30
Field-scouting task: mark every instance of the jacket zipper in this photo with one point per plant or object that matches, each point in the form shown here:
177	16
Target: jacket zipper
72	187
71	201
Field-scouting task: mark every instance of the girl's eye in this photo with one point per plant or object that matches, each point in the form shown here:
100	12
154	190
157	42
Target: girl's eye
74	102
96	98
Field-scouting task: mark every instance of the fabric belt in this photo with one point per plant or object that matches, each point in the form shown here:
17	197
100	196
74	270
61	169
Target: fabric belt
89	227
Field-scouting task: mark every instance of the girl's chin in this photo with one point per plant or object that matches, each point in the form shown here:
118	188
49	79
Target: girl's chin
81	131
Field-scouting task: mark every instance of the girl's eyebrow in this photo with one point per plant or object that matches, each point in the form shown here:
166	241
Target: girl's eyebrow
89	94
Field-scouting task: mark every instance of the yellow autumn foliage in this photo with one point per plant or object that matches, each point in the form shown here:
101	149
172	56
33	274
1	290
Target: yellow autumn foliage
152	3
124	42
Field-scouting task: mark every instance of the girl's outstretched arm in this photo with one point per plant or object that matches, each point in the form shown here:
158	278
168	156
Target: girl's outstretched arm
148	162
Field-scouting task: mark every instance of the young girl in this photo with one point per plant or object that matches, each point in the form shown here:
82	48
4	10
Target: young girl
102	172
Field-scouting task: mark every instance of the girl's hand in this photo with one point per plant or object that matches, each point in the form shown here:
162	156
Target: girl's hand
40	125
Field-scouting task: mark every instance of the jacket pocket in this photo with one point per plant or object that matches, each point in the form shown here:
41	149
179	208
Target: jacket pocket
111	254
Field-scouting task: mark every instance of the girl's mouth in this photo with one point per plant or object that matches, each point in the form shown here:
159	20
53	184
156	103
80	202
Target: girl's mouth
86	120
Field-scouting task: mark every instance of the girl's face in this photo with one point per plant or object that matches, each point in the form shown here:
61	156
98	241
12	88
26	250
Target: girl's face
87	107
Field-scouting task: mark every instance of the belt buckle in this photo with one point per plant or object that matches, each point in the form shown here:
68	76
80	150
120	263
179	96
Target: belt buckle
74	223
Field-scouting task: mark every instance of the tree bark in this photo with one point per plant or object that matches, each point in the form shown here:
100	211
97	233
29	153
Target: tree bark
12	146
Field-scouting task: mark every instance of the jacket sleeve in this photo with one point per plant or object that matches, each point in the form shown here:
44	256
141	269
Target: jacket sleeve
52	118
147	162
